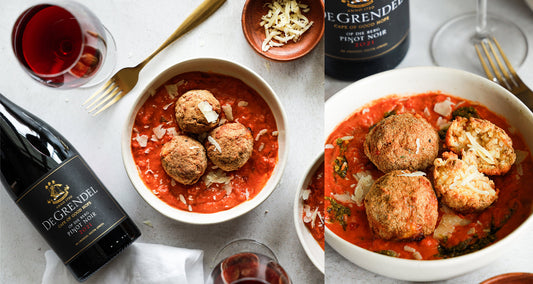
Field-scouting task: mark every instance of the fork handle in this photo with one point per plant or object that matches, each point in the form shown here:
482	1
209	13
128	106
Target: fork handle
200	14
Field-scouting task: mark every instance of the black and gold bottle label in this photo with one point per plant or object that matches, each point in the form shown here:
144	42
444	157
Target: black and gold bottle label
361	30
70	208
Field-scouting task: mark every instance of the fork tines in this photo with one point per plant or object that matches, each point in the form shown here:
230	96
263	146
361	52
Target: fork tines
503	74
109	92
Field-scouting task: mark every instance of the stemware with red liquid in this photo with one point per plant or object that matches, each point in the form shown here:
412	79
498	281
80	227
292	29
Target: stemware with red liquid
63	45
247	262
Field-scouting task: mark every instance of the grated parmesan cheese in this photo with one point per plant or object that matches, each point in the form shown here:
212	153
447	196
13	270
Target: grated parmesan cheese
284	22
417	145
208	112
329	146
275	133
261	132
242	103
480	151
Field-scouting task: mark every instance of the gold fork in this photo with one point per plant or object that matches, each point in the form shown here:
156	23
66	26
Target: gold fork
505	75
125	80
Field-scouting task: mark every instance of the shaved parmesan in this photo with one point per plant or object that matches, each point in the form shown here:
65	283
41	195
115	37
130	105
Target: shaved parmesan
364	183
305	194
172	131
447	225
242	103
261	147
412	250
329	146
417	145
215	143
443	123
275	133
159	131
182	199
218	176
479	150
208	112
413	174
142	140
346	138
172	91
444	108
261	132
284	22
228	112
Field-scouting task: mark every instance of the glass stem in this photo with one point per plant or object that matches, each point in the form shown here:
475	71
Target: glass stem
481	19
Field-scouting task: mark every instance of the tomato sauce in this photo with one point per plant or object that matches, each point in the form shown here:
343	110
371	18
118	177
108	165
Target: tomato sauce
512	208
315	202
248	108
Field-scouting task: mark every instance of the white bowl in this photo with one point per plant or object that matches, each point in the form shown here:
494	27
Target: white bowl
310	245
410	81
223	67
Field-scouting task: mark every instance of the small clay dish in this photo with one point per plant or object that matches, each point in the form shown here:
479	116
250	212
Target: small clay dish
511	278
255	34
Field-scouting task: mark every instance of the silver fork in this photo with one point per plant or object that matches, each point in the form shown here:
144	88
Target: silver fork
125	80
505	75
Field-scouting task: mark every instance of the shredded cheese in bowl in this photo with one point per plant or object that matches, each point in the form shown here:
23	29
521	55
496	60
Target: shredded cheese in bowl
284	22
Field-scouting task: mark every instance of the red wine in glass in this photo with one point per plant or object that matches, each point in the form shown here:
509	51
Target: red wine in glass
249	268
60	45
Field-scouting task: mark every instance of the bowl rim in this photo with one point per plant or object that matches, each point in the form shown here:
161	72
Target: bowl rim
301	230
218	66
270	56
433	269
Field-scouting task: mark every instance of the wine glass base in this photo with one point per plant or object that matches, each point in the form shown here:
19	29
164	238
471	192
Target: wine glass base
453	44
108	65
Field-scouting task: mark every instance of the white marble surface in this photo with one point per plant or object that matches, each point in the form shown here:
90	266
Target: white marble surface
426	17
139	27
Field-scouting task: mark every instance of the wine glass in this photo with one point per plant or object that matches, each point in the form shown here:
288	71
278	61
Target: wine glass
453	44
63	45
246	261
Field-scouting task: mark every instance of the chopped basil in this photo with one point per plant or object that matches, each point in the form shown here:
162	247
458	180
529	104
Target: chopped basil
466	112
337	212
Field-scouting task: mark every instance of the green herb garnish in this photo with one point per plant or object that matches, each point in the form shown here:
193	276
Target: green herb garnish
337	212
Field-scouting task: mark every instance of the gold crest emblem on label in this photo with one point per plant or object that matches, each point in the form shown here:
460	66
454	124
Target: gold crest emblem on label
357	3
57	191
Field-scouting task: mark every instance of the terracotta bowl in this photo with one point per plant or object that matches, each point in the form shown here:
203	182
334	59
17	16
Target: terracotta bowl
255	34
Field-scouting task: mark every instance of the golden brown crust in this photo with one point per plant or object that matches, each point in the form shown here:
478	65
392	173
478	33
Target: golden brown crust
236	146
189	117
494	140
402	142
184	159
460	185
401	207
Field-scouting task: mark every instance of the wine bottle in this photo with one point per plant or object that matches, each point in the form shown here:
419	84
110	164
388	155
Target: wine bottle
61	196
363	37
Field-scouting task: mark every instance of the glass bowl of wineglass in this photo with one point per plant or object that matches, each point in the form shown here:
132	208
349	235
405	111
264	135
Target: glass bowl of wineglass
246	261
453	43
63	45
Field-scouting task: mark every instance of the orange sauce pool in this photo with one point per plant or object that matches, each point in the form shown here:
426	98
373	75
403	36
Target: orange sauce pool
246	182
512	208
